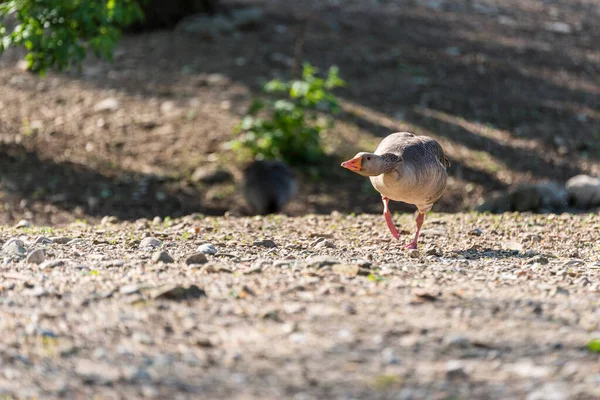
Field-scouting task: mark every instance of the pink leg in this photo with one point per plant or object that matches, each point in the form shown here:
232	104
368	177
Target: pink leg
388	218
420	219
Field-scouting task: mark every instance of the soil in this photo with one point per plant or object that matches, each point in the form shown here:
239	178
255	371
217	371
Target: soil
510	90
328	307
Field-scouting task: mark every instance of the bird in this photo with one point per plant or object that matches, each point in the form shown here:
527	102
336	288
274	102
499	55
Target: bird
407	168
268	185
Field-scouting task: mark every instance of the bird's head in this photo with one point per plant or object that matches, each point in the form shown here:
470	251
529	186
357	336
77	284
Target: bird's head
369	164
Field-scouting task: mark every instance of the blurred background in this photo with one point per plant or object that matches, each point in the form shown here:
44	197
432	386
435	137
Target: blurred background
511	89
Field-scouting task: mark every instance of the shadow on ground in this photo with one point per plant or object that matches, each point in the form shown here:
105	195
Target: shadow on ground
82	191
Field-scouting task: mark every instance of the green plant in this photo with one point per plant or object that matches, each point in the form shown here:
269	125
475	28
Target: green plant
289	122
59	33
594	345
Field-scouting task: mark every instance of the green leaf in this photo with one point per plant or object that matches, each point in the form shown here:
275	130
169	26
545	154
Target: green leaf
594	345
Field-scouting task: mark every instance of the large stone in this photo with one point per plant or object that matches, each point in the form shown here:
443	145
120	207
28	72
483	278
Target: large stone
584	191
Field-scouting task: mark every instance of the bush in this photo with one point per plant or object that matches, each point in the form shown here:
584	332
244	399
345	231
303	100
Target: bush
288	124
59	33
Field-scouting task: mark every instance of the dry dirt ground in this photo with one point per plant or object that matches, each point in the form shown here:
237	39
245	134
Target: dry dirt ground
509	88
313	307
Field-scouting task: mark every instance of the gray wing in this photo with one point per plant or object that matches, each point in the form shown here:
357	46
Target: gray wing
413	149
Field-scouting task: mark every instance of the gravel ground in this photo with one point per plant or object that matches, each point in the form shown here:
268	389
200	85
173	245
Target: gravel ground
490	307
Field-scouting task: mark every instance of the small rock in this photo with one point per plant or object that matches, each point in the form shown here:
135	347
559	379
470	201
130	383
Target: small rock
455	370
149	243
272	315
457	341
558	27
207	248
573	263
142	338
551	391
35	292
325	244
389	356
14	247
537	260
162	256
177	293
108	104
265	243
97	373
108	220
129	289
321	261
476	232
43	240
62	240
167	107
52	264
23	224
434	251
196	258
212	269
534	238
37	256
423	296
414	253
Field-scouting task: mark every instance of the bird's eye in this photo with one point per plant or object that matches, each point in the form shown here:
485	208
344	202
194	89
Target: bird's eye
368	158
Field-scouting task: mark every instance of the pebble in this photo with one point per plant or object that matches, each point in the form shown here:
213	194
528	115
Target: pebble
207	248
196	258
108	104
52	264
476	232
551	391
23	224
14	247
321	261
37	256
573	263
455	370
537	260
37	291
265	243
43	240
434	251
62	240
414	253
325	244
149	243
389	356
162	256
97	373
457	341
177	292
129	289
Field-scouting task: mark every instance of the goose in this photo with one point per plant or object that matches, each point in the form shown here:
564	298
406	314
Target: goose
406	168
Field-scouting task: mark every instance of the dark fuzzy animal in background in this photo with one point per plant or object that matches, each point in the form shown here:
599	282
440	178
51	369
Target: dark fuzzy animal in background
268	186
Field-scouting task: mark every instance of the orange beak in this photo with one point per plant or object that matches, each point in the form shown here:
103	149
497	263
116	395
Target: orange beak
353	164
